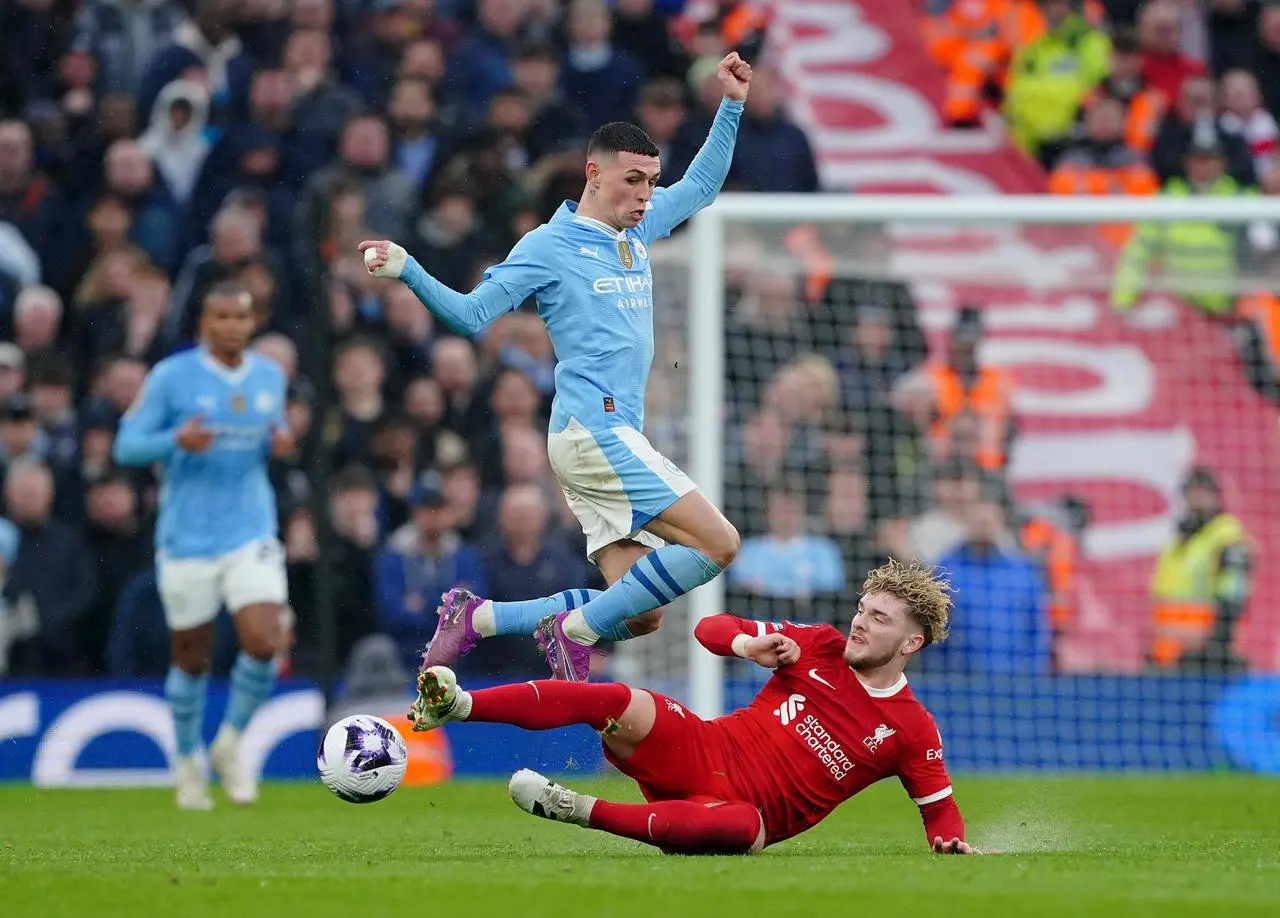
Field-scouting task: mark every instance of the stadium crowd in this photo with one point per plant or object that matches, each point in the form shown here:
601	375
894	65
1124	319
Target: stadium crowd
152	148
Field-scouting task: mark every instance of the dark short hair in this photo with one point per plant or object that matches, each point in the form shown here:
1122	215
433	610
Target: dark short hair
353	477
621	137
230	289
52	370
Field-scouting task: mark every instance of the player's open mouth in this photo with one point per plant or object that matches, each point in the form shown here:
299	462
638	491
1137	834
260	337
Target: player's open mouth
855	639
638	214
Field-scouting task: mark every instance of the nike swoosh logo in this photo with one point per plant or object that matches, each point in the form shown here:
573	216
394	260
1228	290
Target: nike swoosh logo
813	674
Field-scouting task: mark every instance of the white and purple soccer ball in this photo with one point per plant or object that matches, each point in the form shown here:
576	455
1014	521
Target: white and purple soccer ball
362	758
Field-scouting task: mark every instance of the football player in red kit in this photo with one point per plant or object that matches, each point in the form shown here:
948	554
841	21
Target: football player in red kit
836	717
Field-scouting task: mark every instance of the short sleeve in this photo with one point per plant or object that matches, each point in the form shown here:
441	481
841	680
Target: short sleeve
921	767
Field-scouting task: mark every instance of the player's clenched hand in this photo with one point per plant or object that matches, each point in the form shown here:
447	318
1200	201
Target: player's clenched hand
955	846
193	436
282	442
772	650
383	258
735	76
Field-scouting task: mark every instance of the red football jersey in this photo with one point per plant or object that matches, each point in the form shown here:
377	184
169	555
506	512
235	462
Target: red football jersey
815	735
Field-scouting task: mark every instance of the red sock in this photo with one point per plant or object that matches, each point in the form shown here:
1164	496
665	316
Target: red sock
547	704
681	826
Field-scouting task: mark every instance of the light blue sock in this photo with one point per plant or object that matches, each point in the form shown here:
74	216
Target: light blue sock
653	581
185	694
251	684
523	617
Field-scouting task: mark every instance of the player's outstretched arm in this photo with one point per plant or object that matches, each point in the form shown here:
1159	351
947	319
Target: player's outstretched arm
463	313
729	636
146	433
706	174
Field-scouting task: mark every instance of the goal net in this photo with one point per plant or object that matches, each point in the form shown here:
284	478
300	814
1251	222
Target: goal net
1041	395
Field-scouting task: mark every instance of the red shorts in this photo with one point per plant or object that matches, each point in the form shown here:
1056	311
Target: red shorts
683	758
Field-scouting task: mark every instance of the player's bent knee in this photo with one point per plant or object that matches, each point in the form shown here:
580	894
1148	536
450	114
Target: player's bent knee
722	546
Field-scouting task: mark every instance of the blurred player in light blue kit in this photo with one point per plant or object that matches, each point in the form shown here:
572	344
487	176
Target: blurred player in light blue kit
211	417
653	535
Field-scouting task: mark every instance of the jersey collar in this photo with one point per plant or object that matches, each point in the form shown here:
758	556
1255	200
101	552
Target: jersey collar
885	692
572	208
225	373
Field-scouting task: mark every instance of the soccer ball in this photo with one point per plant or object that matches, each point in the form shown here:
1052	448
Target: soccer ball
362	758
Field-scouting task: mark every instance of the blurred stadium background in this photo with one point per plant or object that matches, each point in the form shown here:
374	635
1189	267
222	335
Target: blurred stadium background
1079	422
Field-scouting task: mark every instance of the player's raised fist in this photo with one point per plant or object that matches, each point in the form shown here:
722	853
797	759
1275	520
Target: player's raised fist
735	76
193	436
383	258
772	650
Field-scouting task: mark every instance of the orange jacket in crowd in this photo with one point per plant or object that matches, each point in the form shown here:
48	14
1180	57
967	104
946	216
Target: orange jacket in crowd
1117	171
1055	549
973	42
1142	113
989	401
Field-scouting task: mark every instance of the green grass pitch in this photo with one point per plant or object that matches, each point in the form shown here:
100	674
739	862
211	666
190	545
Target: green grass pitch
1126	846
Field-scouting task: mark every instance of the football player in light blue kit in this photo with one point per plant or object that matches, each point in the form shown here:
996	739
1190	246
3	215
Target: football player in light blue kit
211	417
653	535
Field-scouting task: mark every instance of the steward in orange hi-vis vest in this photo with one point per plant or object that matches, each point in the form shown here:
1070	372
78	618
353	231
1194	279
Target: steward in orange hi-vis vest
973	404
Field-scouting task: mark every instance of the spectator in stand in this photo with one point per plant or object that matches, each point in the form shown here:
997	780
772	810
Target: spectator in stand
1143	106
353	510
599	79
28	199
660	112
527	560
37	319
944	526
422	560
454	368
1102	164
359	370
554	124
208	44
119	546
479	65
52	395
133	327
123	37
973	43
1195	112
789	568
53	572
1243	116
416	150
772	153
1001	625
1198	260
1051	76
178	146
1164	65
647	34
13	368
157	224
319	104
966	388
1264	62
363	160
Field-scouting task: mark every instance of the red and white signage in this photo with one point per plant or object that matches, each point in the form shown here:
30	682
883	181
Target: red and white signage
1112	411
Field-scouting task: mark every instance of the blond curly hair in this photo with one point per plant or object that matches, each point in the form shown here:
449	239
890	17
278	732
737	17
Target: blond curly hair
926	595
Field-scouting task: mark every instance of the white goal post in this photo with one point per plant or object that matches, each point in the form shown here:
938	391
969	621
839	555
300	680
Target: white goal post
707	309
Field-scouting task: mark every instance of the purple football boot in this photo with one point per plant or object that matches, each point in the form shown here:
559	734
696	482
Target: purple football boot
455	636
569	660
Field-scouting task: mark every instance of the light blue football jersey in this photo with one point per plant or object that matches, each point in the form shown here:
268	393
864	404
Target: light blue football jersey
594	290
214	502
